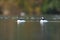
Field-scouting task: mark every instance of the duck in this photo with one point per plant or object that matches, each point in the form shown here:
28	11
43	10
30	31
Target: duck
43	20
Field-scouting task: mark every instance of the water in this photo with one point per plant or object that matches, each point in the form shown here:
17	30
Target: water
30	30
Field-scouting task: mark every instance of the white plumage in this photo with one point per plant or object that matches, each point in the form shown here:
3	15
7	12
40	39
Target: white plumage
20	21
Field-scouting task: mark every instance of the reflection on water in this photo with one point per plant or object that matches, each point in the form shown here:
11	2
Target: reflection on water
29	30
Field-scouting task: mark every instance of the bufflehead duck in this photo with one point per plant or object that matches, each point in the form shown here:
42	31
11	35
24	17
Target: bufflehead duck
43	20
20	21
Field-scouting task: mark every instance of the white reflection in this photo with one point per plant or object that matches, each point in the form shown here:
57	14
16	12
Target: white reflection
20	21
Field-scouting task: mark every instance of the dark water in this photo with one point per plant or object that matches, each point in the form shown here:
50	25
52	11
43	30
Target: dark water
10	30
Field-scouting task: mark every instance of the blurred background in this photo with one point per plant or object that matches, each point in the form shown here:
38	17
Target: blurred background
30	7
31	11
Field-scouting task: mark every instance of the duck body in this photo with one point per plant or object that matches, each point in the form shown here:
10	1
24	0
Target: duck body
20	21
42	21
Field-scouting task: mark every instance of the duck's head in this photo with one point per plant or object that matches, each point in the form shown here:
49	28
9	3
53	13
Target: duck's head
42	18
